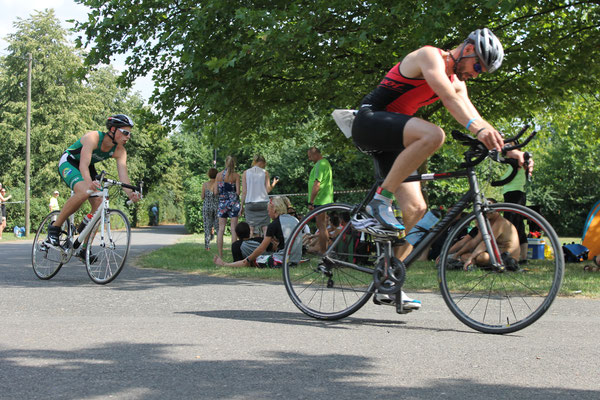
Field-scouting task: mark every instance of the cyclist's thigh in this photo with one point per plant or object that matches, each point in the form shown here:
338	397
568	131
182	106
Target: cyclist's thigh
379	130
70	174
417	129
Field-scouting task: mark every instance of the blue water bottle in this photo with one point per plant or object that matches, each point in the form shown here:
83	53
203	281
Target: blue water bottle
422	227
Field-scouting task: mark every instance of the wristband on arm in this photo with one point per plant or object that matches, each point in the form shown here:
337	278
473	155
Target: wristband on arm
470	122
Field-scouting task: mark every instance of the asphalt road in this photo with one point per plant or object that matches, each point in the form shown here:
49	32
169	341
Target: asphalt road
153	334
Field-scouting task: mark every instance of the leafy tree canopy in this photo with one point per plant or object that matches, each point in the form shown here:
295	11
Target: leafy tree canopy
251	64
64	106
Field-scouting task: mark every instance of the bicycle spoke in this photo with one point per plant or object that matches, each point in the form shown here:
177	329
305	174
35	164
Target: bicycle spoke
327	289
110	251
488	300
46	260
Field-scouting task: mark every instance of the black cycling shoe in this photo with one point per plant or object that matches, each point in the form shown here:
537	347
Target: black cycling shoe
53	238
81	255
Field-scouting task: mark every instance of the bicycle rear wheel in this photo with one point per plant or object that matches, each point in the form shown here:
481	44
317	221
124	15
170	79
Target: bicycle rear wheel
330	287
46	260
107	247
493	301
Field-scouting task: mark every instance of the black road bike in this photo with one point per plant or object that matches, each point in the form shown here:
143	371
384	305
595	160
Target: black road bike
496	298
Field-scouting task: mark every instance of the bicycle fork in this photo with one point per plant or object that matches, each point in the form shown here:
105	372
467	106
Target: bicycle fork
487	234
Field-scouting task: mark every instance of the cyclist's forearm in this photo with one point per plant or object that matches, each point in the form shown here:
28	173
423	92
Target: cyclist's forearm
124	177
462	114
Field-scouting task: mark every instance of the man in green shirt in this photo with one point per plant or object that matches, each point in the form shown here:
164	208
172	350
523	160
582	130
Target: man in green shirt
514	192
320	191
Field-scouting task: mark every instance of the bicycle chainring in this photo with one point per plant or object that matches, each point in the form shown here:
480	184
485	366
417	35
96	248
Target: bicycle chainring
392	283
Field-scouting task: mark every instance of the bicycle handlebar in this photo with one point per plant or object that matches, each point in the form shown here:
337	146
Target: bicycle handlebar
101	177
477	152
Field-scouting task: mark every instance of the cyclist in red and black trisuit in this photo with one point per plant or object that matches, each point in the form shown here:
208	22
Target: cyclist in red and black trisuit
399	142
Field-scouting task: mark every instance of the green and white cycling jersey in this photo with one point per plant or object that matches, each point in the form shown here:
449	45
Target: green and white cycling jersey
68	166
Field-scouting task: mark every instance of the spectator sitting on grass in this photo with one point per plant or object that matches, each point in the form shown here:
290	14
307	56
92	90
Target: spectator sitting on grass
507	240
245	245
277	231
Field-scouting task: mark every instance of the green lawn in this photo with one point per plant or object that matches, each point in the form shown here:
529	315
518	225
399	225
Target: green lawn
190	256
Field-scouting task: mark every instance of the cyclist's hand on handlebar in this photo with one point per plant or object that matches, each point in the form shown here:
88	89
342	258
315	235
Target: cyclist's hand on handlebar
519	155
134	196
94	186
491	138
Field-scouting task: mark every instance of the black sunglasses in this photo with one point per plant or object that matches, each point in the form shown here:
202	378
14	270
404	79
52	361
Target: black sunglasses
477	67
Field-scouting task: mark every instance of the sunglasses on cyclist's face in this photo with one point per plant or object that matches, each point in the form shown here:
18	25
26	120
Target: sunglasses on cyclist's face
477	66
124	132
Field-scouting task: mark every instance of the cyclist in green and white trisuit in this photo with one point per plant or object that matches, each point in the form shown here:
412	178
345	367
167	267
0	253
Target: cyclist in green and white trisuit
76	167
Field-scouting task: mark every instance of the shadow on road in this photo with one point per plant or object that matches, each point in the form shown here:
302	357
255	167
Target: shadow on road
152	373
298	318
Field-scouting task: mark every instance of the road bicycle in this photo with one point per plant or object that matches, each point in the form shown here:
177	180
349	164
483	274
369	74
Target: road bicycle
493	298
105	240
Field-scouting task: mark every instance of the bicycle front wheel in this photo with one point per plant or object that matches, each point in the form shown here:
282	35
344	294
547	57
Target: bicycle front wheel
107	247
501	301
47	260
336	285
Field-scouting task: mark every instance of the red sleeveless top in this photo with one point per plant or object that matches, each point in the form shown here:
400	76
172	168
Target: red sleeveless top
399	94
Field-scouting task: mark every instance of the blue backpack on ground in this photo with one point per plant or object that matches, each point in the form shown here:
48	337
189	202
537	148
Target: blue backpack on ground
575	252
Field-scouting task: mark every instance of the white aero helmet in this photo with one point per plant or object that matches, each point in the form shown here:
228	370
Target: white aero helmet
488	48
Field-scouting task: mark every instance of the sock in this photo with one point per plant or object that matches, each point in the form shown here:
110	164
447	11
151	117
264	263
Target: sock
384	195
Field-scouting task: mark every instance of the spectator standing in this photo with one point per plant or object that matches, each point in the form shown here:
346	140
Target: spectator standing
256	186
154	211
3	198
228	190
53	203
514	192
320	191
209	207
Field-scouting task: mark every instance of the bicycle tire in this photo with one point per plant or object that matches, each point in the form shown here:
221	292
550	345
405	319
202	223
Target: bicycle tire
46	261
327	291
502	302
105	256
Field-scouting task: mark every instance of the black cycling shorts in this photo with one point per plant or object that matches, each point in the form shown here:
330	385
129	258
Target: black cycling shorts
380	134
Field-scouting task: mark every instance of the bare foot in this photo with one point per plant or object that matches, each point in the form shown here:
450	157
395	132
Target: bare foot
217	260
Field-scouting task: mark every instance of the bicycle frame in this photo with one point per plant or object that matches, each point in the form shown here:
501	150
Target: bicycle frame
473	195
99	214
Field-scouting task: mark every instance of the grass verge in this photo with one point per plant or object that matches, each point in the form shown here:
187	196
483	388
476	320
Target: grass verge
190	256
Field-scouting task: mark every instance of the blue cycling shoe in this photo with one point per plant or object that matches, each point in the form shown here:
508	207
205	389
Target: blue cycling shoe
383	213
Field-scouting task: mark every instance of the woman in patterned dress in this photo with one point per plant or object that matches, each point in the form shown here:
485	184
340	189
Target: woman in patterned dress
228	190
209	207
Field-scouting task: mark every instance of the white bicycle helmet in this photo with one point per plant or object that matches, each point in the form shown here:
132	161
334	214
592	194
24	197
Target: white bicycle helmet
488	48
